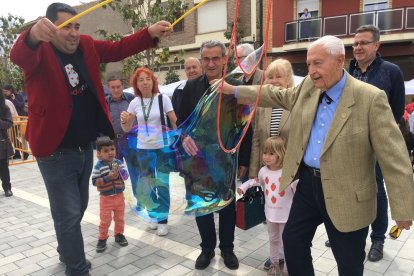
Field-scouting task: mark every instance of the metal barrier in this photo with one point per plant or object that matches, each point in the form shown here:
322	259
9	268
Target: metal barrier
16	134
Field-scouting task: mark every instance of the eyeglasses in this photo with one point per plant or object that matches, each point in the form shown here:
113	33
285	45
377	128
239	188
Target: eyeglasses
395	232
213	59
362	43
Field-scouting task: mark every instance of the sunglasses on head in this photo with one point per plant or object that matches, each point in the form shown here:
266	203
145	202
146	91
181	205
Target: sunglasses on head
395	232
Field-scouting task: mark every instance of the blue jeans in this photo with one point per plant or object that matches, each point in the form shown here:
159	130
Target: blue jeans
380	224
66	175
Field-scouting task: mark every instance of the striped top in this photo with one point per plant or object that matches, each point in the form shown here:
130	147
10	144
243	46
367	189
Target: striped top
275	121
101	180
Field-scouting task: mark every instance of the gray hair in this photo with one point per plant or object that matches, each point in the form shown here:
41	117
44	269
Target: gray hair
213	43
333	45
246	49
192	59
114	78
369	28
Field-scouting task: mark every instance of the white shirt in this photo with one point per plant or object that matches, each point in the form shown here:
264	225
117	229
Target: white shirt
277	202
153	139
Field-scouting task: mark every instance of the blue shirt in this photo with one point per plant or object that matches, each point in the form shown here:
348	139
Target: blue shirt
321	123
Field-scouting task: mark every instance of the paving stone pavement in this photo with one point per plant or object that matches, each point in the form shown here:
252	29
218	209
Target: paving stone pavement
28	242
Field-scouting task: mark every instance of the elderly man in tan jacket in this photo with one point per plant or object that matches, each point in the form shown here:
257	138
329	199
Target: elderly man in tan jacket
338	131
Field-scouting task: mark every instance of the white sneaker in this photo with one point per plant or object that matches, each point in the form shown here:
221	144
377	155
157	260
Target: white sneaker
153	226
162	229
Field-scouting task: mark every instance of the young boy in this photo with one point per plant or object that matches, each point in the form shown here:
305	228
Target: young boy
108	176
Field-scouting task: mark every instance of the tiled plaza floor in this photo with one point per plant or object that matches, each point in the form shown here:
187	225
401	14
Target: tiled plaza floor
28	243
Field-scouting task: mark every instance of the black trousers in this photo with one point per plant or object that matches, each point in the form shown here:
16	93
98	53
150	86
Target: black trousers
227	223
5	174
307	212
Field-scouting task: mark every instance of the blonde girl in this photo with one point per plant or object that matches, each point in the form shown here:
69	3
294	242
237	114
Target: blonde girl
277	202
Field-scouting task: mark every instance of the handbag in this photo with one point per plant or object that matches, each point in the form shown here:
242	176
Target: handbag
8	147
250	208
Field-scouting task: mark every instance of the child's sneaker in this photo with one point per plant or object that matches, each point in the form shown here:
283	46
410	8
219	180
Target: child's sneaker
120	239
274	270
162	229
267	264
101	246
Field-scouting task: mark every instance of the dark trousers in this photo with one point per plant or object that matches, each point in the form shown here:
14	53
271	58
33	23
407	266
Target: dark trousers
121	146
66	174
380	224
227	223
307	212
5	174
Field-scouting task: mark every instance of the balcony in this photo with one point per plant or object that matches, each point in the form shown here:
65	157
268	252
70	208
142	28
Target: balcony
389	20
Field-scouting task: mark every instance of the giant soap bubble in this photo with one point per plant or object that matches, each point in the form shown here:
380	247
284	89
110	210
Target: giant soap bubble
208	176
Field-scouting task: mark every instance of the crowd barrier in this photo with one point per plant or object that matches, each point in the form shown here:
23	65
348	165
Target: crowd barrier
16	134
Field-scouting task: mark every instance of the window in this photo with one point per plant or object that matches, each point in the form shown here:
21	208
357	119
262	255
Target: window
374	5
311	5
179	27
212	17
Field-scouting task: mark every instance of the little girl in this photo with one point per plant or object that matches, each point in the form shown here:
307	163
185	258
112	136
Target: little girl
277	202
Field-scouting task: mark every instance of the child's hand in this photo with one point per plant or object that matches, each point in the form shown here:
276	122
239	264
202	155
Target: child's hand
113	175
240	191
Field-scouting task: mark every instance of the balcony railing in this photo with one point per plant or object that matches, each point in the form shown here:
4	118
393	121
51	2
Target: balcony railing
388	20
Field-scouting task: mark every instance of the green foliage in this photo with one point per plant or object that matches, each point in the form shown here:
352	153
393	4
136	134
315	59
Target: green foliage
9	29
140	13
239	34
171	76
239	38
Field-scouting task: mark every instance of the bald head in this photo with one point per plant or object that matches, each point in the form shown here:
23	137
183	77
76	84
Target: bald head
192	68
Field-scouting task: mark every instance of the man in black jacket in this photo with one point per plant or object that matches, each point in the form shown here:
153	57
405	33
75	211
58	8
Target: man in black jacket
212	60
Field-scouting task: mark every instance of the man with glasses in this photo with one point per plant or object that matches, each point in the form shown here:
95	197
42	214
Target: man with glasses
212	61
368	66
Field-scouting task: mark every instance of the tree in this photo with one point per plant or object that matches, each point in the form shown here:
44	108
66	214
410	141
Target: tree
10	27
171	76
140	13
239	39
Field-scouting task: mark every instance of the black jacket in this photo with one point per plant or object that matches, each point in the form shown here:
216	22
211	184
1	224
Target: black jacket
386	76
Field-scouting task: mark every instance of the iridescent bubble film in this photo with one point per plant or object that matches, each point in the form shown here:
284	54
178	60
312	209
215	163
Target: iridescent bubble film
167	180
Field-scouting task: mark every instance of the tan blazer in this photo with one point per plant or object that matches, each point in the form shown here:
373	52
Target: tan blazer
261	131
363	128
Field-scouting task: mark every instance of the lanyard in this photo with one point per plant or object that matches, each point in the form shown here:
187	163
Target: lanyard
146	116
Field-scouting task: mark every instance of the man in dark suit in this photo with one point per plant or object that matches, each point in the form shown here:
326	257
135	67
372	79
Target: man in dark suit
212	60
